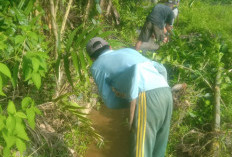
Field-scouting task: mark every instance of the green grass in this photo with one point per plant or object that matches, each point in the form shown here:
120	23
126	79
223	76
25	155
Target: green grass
202	15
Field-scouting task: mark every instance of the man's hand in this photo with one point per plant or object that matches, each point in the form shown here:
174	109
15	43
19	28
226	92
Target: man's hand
165	40
169	28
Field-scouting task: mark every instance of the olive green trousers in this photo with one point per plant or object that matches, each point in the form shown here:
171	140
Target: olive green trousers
150	128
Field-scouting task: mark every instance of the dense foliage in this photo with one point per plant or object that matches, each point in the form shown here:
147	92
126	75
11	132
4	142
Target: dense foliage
44	72
199	49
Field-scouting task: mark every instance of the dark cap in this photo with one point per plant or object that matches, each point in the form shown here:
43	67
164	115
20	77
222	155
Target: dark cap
95	44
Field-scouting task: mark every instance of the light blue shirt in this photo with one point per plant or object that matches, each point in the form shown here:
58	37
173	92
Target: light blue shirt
127	72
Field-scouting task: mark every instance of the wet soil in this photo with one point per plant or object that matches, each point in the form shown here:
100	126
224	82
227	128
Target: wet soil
113	126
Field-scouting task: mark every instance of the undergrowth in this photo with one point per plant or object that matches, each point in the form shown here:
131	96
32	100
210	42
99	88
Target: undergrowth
202	35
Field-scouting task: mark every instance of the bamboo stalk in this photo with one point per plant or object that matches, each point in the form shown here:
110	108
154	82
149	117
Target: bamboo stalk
56	6
217	115
87	10
217	98
54	26
109	8
65	17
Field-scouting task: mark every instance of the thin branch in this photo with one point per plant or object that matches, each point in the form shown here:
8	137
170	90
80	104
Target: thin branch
65	17
193	71
102	3
217	97
56	6
53	19
109	8
87	10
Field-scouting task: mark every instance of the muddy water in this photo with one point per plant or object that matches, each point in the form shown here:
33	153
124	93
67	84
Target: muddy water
111	124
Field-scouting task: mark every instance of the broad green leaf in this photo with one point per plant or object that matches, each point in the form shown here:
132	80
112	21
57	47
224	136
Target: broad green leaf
67	70
31	117
192	115
21	3
11	108
75	60
20	131
19	39
33	35
81	37
42	73
22	19
35	19
79	68
27	73
5	70
75	105
191	3
2	45
43	63
21	115
35	64
106	34
26	102
6	152
84	67
36	78
71	37
1	92
2	122
37	111
29	7
90	35
168	58
15	74
9	139
10	124
20	144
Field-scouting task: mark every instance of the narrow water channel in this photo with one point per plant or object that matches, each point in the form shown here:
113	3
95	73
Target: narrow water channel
111	124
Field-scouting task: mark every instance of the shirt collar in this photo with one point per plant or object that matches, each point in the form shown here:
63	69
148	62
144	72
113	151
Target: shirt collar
106	52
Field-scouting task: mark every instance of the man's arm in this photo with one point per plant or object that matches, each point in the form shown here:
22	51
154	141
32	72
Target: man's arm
169	28
132	112
110	99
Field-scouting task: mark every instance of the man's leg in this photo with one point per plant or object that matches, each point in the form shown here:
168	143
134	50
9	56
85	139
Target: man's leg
153	112
163	132
139	137
138	45
145	34
159	34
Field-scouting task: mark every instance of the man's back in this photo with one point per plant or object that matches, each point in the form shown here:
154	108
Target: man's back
160	15
128	72
115	62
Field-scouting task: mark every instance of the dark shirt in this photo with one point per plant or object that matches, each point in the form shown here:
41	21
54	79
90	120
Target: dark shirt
161	15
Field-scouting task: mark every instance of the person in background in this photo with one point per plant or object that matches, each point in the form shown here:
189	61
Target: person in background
158	24
174	4
125	78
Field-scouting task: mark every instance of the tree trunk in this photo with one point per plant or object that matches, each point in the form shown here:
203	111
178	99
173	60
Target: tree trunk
54	25
58	33
110	11
65	17
87	11
217	117
217	102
